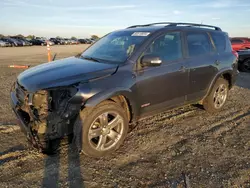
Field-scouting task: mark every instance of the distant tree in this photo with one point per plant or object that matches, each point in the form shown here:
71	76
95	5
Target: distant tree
95	37
1	35
31	36
73	38
19	36
58	37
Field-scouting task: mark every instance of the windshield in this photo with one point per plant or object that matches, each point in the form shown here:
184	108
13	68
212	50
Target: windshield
116	47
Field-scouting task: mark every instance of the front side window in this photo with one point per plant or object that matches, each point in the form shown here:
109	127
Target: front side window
116	47
167	47
198	44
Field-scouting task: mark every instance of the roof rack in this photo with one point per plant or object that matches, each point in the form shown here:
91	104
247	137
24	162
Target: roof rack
177	24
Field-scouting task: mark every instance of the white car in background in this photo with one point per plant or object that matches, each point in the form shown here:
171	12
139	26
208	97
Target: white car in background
4	44
50	42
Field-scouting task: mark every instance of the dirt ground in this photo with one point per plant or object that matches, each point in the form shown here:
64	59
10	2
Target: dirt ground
185	147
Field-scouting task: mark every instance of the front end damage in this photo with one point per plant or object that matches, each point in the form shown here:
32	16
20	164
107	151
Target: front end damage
46	114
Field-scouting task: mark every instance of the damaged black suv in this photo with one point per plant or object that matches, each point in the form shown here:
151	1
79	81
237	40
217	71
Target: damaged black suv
126	75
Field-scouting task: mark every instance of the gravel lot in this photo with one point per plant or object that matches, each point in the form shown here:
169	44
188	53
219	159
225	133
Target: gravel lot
185	147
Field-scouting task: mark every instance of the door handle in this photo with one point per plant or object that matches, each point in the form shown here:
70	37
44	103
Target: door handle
217	62
182	69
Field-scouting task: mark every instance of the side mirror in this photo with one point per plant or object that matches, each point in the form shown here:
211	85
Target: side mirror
150	60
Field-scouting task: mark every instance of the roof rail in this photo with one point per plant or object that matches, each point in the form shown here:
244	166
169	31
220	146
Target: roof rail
177	24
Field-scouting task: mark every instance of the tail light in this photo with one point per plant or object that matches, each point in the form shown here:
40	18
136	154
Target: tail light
235	53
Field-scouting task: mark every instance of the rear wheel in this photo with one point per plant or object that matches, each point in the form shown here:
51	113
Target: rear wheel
217	97
103	129
245	65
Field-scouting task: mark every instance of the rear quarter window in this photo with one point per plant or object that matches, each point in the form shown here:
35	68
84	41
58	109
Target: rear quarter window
220	41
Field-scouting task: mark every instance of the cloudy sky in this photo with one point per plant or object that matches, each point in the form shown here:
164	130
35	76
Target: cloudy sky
83	18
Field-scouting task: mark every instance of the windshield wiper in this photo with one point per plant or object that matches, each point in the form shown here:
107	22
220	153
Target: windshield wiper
91	58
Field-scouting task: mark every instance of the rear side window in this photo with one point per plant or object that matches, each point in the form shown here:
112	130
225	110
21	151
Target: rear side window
198	44
219	40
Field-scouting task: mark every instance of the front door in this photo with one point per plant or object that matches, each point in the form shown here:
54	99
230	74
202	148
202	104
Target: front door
166	85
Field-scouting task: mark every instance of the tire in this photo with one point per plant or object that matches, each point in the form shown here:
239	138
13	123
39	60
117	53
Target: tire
90	129
245	65
218	93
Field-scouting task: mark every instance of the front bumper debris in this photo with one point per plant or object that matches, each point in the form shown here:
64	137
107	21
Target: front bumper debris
44	116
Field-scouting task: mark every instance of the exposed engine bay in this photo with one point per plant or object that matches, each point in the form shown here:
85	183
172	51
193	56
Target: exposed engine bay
47	113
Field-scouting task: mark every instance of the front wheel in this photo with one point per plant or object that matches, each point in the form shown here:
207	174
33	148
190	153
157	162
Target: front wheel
104	129
217	97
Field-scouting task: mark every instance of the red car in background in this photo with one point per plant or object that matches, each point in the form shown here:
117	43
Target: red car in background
240	43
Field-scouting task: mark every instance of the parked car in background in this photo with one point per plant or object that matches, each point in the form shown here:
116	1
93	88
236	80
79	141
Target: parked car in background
244	60
88	41
92	40
83	41
14	42
63	41
240	43
38	42
125	76
67	41
18	42
26	42
56	41
51	43
9	41
4	44
23	40
72	41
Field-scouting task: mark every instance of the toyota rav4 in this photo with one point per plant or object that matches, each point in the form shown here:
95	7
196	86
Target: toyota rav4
126	75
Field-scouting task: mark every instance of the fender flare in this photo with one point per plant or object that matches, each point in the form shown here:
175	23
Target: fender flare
218	75
107	94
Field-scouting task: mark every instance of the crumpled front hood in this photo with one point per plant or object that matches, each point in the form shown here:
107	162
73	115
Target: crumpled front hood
63	72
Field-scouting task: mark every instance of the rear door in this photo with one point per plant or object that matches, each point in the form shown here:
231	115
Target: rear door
202	60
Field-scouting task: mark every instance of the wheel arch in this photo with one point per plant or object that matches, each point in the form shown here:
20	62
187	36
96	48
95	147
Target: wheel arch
119	95
227	74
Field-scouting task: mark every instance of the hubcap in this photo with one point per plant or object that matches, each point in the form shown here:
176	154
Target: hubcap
106	131
220	96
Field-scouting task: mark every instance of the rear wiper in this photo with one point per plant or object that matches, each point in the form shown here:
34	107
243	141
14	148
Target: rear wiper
91	58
